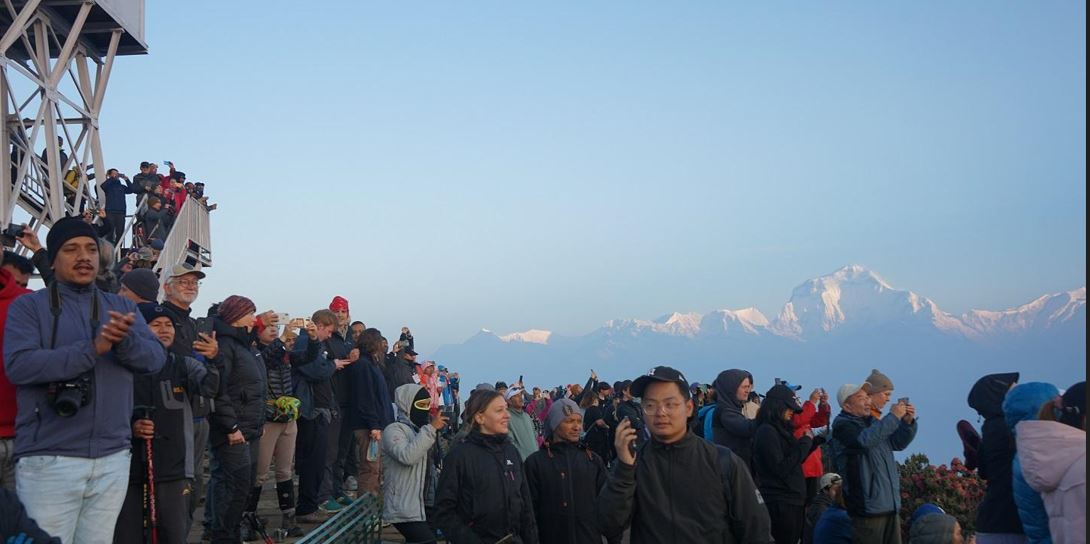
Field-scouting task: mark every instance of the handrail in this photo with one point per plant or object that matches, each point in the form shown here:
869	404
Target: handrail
357	523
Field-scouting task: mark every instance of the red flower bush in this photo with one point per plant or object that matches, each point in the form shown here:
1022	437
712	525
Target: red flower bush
955	489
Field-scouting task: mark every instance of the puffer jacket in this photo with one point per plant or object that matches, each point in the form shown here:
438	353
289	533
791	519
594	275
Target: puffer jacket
811	417
408	475
731	428
240	405
277	369
1022	404
997	513
565	479
483	493
872	484
1054	464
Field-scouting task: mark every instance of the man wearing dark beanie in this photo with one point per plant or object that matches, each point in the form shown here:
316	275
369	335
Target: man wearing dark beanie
140	286
76	445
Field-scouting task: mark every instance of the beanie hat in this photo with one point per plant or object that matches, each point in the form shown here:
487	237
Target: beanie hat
63	231
152	311
235	307
558	412
934	528
339	303
143	283
878	382
1074	405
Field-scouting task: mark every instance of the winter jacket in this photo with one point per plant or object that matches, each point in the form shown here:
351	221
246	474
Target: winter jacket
339	348
14	521
115	193
167	393
676	493
997	513
185	333
8	291
872	484
521	432
103	426
312	369
1054	464
834	527
777	459
398	372
1022	404
278	379
814	511
408	473
564	480
731	428
483	493
371	405
240	405
811	417
156	223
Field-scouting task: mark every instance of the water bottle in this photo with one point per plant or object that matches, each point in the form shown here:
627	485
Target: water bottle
372	450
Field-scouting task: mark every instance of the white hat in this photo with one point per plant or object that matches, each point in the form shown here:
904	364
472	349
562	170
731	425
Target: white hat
512	392
828	480
846	391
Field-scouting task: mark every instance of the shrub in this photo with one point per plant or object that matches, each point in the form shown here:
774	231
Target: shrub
955	489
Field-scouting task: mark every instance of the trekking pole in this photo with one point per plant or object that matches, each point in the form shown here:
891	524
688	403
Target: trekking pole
152	521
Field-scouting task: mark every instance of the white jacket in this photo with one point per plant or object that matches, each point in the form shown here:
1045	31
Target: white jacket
405	463
1054	464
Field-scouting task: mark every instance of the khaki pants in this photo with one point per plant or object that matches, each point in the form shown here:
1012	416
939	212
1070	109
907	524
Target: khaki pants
370	476
277	443
876	529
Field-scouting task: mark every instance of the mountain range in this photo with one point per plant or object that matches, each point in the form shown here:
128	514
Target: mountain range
832	330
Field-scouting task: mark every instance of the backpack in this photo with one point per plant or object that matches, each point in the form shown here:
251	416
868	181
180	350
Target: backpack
702	423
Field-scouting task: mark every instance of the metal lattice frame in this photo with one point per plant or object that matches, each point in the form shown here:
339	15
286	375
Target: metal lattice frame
47	91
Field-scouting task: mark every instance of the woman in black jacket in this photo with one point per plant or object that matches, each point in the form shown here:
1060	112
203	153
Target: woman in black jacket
565	478
997	516
777	459
239	415
483	494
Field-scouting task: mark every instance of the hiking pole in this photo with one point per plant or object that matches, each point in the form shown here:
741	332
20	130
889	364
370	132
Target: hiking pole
152	520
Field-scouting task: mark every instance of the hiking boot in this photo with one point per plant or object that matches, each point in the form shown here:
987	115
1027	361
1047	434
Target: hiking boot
247	533
290	527
345	500
314	517
331	506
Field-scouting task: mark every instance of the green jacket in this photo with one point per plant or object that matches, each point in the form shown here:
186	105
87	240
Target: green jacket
521	432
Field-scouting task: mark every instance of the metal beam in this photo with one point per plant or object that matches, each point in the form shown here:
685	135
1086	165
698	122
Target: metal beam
61	66
18	26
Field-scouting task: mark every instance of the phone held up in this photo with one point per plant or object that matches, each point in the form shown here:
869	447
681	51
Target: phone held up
903	400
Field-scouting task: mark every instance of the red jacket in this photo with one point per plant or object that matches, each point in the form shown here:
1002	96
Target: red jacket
811	417
9	290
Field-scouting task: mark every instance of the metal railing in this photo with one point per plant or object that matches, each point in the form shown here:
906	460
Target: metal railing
359	522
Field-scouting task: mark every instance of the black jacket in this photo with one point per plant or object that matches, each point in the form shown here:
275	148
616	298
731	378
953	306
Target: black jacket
372	407
817	507
688	491
777	460
398	372
185	333
277	369
338	348
730	427
997	512
240	404
167	393
564	481
483	493
14	521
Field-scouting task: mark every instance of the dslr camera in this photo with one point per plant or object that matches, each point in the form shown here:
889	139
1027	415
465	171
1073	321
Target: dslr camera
69	396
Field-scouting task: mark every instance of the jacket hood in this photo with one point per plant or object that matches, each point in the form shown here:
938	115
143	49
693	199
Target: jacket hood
933	529
1025	400
8	288
726	385
403	398
987	394
1047	450
238	333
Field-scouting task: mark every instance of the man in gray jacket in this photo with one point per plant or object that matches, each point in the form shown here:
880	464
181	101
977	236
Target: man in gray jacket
71	351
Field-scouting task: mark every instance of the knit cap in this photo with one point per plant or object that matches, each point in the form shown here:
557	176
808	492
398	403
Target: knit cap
559	411
235	307
878	382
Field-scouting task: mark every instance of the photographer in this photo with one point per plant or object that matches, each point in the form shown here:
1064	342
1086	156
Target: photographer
71	350
116	207
313	367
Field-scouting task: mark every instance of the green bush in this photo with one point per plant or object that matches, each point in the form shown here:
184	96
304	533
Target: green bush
955	489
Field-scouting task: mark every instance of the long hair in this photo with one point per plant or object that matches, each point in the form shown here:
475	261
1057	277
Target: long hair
370	343
589	400
771	413
478	401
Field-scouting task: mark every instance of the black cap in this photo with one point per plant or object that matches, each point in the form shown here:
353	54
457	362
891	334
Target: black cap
409	351
660	374
144	164
152	311
603	386
786	395
501	385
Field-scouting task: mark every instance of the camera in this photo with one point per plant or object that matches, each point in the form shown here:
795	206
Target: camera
68	397
13	230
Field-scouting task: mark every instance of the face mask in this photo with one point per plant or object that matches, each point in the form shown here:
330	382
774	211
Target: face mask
420	411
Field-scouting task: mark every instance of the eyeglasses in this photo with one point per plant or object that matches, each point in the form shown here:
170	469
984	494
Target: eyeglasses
669	407
187	283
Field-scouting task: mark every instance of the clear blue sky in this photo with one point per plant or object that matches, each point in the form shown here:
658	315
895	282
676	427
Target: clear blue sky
507	165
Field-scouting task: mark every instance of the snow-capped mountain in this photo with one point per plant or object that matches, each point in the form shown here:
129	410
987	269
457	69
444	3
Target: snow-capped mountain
1044	313
532	336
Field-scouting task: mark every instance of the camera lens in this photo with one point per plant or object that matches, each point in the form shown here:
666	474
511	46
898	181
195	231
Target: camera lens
68	402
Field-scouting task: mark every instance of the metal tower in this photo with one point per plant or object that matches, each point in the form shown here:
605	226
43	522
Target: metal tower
55	62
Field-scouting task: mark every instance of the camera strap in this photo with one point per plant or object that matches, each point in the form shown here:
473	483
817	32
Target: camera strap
55	309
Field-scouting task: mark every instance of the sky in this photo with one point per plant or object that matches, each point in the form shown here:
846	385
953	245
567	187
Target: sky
453	166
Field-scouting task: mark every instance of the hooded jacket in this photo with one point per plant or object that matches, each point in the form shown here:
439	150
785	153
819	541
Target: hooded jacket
565	479
676	493
9	290
997	513
522	433
865	446
167	393
730	427
406	464
483	493
932	529
103	426
312	369
811	417
1022	404
777	459
1054	464
240	405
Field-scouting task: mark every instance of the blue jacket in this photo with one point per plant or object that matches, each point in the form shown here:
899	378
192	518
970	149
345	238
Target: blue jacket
1022	404
103	426
371	406
834	527
872	484
310	365
115	194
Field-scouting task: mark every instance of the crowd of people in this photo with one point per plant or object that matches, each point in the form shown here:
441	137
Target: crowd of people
112	399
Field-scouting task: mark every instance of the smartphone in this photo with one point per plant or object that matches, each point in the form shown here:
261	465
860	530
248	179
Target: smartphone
168	163
447	412
13	230
204	326
903	400
520	378
283	319
637	426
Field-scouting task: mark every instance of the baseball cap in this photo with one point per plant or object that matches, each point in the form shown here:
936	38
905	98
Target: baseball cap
512	392
156	244
182	269
660	374
788	384
828	480
846	391
785	394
